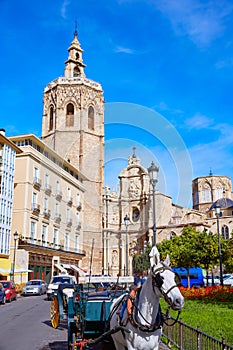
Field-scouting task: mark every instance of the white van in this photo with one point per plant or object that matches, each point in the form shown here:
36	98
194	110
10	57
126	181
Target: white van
56	280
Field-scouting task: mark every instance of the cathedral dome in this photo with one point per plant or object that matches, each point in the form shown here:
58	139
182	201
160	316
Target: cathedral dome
222	203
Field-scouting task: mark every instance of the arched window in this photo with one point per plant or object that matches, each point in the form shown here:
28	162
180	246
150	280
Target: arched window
135	214
76	71
206	193
225	232
91	114
51	112
70	115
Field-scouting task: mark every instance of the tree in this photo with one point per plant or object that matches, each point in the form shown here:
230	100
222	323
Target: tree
141	262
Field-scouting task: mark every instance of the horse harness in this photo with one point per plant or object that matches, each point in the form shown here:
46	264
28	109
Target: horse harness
130	302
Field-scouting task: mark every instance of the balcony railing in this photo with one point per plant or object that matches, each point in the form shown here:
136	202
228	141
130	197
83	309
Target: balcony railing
46	213
79	206
35	208
58	195
48	189
38	243
70	201
69	222
78	227
57	218
37	182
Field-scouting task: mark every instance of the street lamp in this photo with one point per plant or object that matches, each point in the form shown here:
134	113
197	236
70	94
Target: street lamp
217	212
126	220
153	171
16	236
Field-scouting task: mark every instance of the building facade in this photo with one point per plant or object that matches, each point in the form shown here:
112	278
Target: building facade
73	126
8	152
134	199
47	210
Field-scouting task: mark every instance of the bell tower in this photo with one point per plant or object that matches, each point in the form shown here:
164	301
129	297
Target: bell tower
73	125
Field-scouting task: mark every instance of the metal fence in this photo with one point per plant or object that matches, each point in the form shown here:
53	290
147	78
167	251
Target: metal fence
185	337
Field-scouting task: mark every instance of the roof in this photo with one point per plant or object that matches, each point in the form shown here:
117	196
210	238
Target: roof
222	203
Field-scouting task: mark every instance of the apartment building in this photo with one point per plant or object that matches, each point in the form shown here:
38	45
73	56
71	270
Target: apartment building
47	209
8	151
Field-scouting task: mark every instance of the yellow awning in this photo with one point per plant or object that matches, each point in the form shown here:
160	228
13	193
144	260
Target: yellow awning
6	267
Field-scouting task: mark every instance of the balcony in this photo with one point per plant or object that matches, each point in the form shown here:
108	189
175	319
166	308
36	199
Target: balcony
28	243
69	222
48	189
37	183
58	196
78	227
57	218
35	208
79	206
70	201
46	213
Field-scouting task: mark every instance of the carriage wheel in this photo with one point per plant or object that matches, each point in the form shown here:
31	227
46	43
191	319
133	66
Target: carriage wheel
74	340
54	312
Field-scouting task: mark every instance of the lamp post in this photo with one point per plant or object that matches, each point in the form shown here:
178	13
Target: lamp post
217	212
16	236
153	171
126	220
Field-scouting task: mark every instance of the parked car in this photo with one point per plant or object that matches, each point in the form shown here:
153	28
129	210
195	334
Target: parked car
228	281
56	281
2	294
10	290
34	287
214	282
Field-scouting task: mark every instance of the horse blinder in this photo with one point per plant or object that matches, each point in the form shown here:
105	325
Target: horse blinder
158	280
178	279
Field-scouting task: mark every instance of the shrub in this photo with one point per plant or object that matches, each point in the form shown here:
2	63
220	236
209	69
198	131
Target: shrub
208	294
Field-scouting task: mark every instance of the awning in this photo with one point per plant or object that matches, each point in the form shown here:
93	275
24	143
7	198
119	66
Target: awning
75	268
6	267
61	268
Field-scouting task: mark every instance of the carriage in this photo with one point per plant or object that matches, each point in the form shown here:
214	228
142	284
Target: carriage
86	306
116	317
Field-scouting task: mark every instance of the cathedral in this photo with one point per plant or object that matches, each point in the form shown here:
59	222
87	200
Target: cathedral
63	211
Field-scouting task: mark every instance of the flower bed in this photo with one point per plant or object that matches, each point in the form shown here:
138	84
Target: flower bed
217	293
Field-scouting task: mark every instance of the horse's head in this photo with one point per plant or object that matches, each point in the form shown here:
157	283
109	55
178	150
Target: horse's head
166	281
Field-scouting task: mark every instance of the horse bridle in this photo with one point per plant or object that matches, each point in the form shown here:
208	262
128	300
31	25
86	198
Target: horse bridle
157	281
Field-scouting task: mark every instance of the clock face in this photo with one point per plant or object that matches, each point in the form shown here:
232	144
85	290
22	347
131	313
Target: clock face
135	214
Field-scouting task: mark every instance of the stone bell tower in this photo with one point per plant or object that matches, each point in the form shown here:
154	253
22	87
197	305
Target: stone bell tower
73	125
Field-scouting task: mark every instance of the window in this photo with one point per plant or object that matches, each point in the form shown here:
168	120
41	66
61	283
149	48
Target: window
57	187
135	214
76	69
35	174
70	115
67	241
91	118
34	200
45	205
76	242
55	238
32	232
219	192
51	113
225	232
44	235
57	210
206	194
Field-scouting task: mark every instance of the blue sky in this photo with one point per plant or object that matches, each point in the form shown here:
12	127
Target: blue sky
166	68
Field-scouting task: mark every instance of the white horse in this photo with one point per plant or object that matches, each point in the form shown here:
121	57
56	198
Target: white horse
141	314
